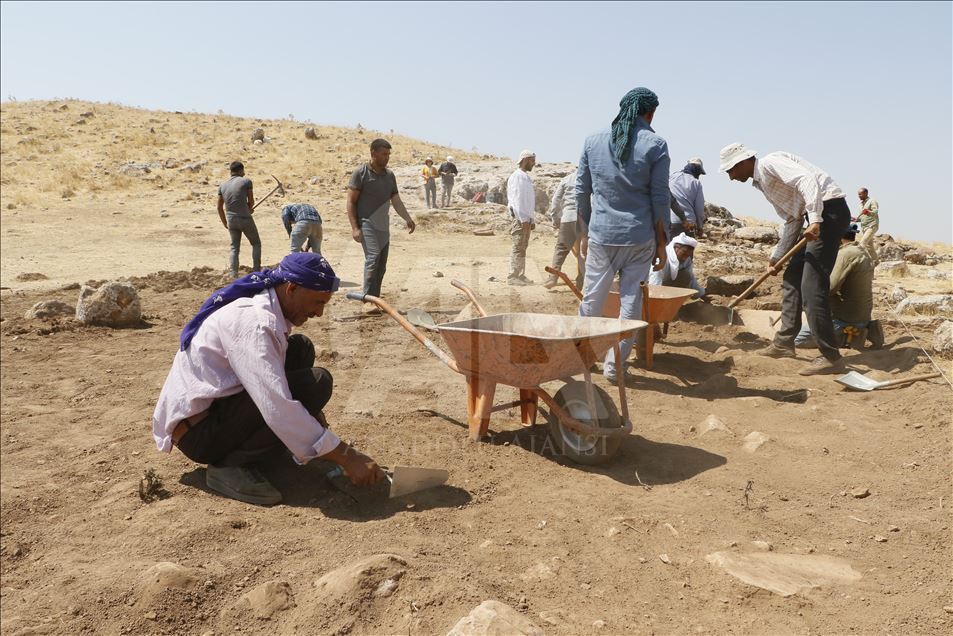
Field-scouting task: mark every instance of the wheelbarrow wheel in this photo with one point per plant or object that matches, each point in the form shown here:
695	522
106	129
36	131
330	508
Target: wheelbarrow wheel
585	449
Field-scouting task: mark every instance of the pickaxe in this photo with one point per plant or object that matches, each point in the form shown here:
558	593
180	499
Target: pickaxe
278	188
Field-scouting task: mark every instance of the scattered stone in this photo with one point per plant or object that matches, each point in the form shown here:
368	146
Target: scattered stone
927	305
492	618
893	529
613	531
896	269
600	624
133	169
522	604
785	574
943	339
880	539
763	545
757	234
733	263
935	274
47	309
552	618
31	276
917	257
948	609
258	135
386	588
194	167
483	232
309	133
150	616
115	304
713	423
538	572
860	493
438	274
664	558
730	285
898	293
754	440
315	180
890	251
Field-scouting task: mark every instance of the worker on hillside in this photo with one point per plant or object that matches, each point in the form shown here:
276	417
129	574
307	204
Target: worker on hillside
562	210
236	204
371	191
623	200
688	199
869	219
303	224
798	189
243	391
448	174
521	197
852	298
429	175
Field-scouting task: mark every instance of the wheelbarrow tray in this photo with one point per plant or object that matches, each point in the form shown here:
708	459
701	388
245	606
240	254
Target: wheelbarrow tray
525	350
664	302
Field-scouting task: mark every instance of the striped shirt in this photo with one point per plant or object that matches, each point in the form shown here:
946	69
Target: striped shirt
291	214
795	188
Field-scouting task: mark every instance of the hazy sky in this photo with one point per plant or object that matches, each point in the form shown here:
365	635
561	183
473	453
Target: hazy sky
863	90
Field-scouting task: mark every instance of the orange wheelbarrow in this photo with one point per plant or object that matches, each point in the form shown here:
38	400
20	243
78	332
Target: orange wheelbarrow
660	305
525	350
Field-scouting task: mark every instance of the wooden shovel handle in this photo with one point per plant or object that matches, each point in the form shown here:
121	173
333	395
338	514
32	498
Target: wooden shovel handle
914	378
781	261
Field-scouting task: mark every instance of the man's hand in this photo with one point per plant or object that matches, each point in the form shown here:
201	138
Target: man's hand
357	235
224	224
532	226
773	268
361	469
556	225
584	247
660	257
813	232
411	226
689	226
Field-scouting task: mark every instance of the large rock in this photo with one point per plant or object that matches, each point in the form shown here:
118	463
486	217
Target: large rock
943	339
115	304
47	309
492	618
730	285
917	257
897	269
890	251
732	263
898	293
310	133
258	135
936	304
786	574
758	234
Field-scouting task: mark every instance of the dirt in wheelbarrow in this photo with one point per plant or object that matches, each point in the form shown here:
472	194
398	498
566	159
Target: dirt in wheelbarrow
731	453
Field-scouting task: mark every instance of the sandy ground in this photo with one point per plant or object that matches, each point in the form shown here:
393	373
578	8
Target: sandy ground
615	549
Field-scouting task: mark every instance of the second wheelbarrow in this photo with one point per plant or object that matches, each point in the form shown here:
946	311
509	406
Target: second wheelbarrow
660	305
525	350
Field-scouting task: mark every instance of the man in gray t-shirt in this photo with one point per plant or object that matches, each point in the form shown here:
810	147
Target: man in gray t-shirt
371	191
236	204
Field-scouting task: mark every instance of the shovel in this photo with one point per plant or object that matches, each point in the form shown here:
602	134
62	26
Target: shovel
860	382
420	318
405	479
777	267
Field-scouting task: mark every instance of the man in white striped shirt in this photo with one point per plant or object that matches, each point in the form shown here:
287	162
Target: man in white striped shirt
521	199
797	189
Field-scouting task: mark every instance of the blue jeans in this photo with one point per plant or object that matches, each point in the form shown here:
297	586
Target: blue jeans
310	231
632	262
237	226
376	246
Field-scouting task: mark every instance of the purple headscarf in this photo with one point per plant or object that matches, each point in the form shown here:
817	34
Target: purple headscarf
307	269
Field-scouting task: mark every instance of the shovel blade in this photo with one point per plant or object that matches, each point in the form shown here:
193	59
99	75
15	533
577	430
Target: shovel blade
420	318
406	479
857	381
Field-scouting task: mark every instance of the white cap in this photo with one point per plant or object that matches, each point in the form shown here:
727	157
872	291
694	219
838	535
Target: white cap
430	159
698	162
526	154
733	154
449	158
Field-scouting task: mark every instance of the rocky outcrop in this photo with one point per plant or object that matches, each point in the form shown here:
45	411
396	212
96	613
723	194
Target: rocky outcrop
115	304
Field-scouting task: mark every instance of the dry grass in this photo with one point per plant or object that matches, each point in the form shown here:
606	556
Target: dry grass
50	151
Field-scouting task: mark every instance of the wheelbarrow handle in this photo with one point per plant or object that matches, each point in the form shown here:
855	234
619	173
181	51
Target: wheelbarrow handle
781	261
469	293
565	278
403	322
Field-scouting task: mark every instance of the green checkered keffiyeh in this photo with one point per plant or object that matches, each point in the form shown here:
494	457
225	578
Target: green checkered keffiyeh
636	103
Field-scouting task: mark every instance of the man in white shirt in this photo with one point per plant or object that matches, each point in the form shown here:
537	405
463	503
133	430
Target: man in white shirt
522	209
241	391
798	189
562	210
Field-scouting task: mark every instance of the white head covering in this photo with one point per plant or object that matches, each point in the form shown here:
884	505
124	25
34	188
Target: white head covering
526	154
733	154
672	260
449	158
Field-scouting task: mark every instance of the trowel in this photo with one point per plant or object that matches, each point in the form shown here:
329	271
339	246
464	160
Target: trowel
405	480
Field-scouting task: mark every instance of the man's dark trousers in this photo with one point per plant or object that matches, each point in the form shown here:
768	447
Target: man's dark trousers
807	283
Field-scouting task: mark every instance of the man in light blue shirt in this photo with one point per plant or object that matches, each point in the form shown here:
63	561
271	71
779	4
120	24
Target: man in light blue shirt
623	199
688	199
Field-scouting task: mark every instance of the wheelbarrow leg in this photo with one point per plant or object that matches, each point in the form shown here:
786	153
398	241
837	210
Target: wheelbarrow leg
480	394
529	402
